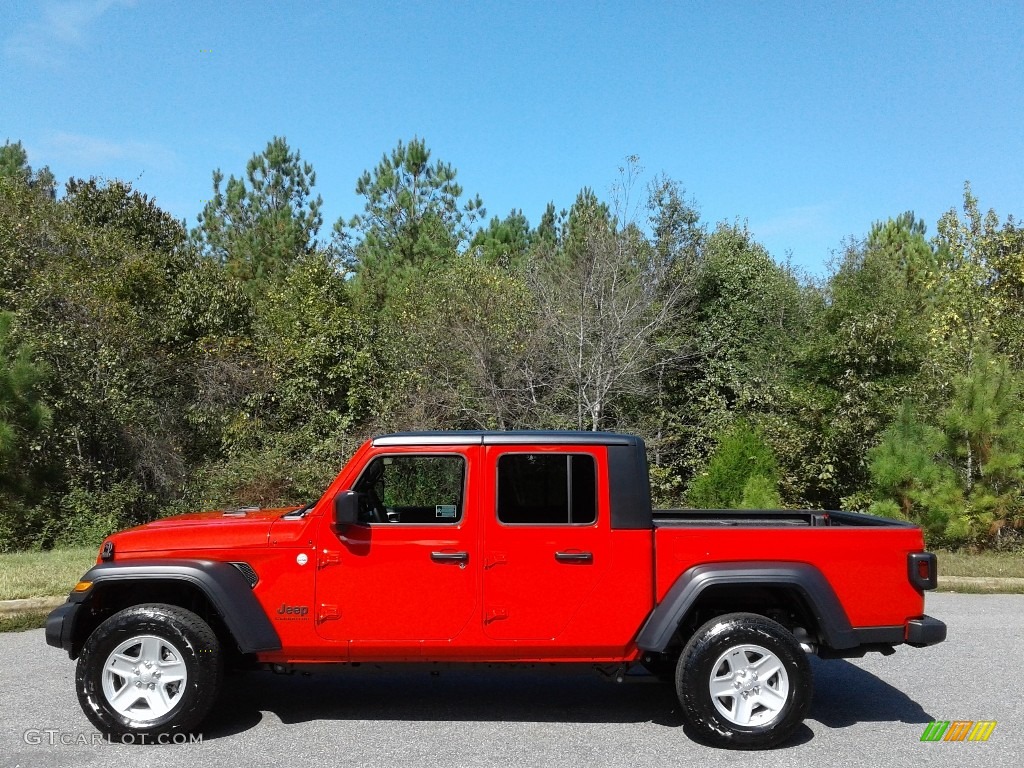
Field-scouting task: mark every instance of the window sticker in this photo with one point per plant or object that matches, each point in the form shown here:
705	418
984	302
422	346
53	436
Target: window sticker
447	511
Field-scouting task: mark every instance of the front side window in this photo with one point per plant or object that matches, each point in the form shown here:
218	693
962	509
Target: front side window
547	489
412	489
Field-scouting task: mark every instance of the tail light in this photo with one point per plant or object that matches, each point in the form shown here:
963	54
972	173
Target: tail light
922	570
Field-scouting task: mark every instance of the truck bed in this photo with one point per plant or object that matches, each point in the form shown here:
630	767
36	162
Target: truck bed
769	518
851	550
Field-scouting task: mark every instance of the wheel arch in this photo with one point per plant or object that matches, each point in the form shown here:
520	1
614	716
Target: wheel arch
756	587
214	590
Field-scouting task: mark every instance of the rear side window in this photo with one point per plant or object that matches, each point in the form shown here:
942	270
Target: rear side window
547	489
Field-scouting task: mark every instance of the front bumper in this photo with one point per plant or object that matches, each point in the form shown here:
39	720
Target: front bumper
925	631
60	626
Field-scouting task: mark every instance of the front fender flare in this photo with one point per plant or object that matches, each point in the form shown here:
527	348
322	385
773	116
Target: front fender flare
806	580
226	589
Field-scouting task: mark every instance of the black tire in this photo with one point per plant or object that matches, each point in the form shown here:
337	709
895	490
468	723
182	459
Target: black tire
729	649
184	645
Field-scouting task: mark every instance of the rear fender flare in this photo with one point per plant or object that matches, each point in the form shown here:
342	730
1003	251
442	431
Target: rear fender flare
806	580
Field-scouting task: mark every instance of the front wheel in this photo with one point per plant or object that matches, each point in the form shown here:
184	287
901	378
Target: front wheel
744	682
149	669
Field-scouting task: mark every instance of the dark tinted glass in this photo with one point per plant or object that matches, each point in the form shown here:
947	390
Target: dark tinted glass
547	489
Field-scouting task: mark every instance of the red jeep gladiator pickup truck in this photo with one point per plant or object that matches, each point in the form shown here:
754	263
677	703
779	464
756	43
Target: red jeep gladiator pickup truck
495	547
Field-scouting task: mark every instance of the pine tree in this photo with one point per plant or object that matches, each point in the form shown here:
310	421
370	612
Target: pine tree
260	225
412	218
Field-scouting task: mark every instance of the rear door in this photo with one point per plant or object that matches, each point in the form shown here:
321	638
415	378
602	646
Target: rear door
546	538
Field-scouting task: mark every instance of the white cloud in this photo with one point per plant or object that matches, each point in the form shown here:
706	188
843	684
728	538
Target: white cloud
43	42
89	152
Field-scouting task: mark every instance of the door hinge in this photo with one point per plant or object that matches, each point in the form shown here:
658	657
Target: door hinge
328	613
496	614
328	558
494	558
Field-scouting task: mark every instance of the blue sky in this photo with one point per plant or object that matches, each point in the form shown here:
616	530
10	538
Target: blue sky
809	120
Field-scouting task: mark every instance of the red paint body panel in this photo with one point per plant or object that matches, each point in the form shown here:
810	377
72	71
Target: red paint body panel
208	530
376	592
867	567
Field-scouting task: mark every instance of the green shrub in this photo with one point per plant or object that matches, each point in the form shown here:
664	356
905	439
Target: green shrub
742	473
761	492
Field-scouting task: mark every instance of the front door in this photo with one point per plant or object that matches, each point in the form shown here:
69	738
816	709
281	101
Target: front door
545	541
407	571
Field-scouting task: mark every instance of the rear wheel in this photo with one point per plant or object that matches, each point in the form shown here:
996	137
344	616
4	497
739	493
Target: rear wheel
149	669
744	682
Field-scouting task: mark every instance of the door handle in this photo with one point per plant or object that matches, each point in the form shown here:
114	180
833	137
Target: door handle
574	557
450	557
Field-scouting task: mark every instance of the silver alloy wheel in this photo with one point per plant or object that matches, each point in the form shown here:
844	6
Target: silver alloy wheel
144	678
749	685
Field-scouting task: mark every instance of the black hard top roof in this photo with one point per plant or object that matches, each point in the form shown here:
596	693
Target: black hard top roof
512	437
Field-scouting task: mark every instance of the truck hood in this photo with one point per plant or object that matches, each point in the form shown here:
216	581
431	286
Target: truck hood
201	530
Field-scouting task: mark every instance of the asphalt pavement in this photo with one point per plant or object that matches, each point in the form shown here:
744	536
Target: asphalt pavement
867	712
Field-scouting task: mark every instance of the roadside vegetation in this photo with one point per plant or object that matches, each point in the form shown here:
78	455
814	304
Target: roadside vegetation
1006	565
148	367
23	621
43	574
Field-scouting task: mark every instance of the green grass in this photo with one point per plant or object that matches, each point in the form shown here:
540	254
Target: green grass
1001	564
23	621
43	574
1011	588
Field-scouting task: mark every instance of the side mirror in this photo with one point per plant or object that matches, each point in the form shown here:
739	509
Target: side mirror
346	508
